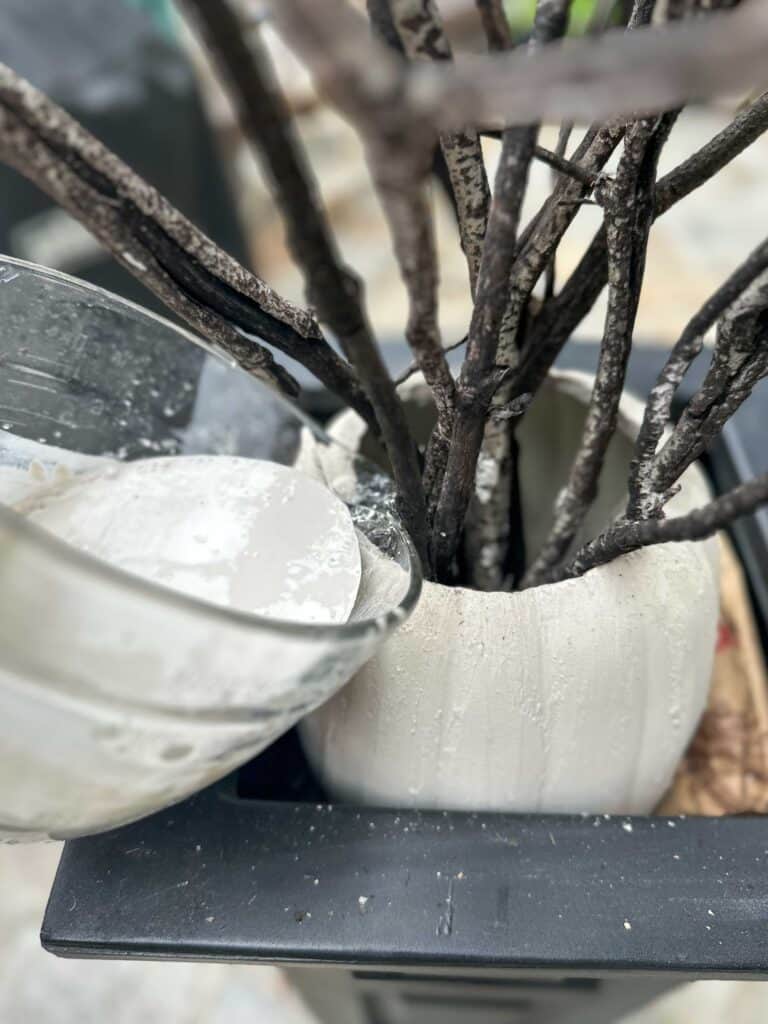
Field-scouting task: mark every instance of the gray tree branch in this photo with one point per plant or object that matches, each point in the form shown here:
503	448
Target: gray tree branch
421	32
644	502
625	537
561	315
495	541
629	204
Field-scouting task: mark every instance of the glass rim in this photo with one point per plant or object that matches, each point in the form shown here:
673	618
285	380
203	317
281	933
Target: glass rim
90	565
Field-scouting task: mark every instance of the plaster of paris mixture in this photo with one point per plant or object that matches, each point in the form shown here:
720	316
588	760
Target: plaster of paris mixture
242	533
249	535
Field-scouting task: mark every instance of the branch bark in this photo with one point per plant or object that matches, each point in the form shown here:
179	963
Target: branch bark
227	304
629	205
421	31
625	537
495	540
478	381
246	72
644	502
495	25
559	317
334	290
739	361
380	17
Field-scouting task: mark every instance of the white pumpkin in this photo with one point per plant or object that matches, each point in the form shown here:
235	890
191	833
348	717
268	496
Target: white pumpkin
579	696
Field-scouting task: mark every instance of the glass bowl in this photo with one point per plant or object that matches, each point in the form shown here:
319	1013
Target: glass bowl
119	696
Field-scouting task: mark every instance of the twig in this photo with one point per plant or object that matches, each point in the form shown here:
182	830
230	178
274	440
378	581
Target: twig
246	71
413	367
332	288
558	319
625	537
570	168
644	503
227	304
423	38
380	17
495	540
410	220
598	23
739	361
365	82
628	217
419	27
478	383
543	235
694	172
563	137
495	25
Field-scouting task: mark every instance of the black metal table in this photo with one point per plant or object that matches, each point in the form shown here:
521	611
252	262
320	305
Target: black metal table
431	916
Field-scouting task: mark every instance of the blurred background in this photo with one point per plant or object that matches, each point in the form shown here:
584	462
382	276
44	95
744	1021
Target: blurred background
133	74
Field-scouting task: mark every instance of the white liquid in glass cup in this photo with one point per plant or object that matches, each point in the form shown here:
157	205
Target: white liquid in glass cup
119	694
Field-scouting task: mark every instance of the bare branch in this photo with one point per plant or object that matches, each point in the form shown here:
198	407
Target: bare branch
263	115
421	31
559	317
477	382
331	287
739	361
628	217
570	168
380	16
625	537
399	158
495	25
495	541
598	23
644	503
410	220
413	367
227	304
543	235
703	165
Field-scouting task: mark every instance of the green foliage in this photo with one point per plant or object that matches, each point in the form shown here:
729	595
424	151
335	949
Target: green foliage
520	14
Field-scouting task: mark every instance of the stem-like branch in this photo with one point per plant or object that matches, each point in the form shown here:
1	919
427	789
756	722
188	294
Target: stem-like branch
410	221
559	317
365	81
380	17
246	72
332	288
227	304
423	38
478	382
495	25
421	30
628	217
644	503
739	361
570	168
625	537
495	541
